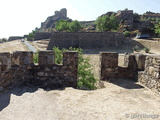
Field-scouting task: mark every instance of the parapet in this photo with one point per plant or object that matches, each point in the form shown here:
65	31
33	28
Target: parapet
18	67
111	70
150	77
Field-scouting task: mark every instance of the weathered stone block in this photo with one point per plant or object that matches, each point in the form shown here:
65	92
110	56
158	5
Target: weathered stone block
70	59
22	58
108	60
46	57
5	61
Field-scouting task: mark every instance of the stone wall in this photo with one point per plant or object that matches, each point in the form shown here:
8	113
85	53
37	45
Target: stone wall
140	59
42	35
86	40
110	69
14	38
148	69
150	77
18	68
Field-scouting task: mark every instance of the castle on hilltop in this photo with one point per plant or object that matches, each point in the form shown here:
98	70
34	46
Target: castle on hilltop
62	14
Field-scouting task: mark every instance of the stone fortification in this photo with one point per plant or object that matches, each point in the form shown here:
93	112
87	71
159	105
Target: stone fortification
150	77
42	35
49	23
148	70
110	69
86	40
18	68
15	38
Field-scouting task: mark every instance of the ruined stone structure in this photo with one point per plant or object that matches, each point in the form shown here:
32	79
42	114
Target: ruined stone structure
86	40
62	14
18	68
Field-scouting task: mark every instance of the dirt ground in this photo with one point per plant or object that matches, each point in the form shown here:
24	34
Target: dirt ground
11	46
118	100
121	100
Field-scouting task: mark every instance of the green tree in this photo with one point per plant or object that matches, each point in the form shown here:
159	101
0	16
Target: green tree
31	35
86	79
65	26
62	25
74	26
157	29
153	19
149	19
126	33
106	23
157	20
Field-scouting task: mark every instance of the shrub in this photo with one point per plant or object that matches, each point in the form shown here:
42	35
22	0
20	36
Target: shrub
35	57
66	26
106	23
126	33
86	79
146	50
31	35
136	48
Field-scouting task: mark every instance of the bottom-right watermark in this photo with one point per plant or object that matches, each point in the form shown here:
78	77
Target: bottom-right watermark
142	116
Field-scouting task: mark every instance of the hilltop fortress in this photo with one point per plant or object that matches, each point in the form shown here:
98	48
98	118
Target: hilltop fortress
62	14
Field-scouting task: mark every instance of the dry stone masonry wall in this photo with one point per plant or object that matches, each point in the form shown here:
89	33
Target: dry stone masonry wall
18	68
86	40
110	69
150	77
148	70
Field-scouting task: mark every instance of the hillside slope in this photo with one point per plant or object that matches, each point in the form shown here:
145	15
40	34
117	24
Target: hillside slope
11	46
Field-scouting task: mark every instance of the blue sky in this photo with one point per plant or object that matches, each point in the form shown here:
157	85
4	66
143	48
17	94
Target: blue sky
19	17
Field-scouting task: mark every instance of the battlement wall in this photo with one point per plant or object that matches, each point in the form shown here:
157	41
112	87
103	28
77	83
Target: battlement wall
148	69
18	67
150	77
111	71
42	35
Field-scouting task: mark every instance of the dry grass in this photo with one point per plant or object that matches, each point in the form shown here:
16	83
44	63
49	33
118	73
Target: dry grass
11	46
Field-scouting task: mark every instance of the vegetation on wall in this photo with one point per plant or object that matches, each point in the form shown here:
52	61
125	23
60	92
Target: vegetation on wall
86	79
65	26
31	35
106	23
157	29
126	33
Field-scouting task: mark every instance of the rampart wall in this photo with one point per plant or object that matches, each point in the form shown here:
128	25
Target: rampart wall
18	68
14	38
148	70
42	35
150	77
86	40
110	69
